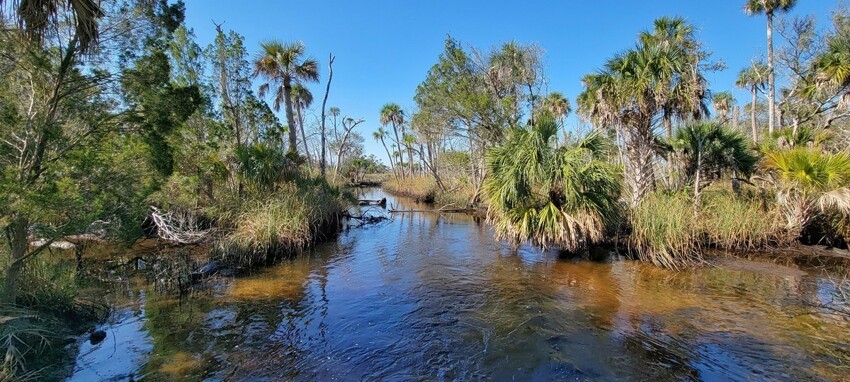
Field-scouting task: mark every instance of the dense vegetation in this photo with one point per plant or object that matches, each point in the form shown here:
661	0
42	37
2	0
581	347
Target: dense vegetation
116	124
688	167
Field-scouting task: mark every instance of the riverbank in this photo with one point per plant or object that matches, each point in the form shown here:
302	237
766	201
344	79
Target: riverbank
432	296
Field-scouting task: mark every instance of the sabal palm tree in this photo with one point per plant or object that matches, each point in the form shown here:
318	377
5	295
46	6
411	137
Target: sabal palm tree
809	182
769	8
659	79
709	149
722	103
302	98
559	106
561	196
283	65
753	79
392	114
37	17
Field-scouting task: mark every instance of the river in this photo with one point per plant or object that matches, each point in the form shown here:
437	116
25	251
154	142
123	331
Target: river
430	297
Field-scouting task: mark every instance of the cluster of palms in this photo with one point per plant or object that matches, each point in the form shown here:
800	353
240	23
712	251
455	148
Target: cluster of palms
538	189
393	115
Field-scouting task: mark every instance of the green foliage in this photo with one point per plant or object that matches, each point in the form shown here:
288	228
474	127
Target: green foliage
714	149
564	196
265	165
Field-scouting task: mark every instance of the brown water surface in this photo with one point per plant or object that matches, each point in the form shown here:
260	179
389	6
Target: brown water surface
433	297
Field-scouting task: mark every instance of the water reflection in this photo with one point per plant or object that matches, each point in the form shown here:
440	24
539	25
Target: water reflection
434	297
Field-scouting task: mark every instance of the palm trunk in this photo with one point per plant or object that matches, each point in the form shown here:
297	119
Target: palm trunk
753	118
390	156
770	76
641	174
735	116
398	144
290	118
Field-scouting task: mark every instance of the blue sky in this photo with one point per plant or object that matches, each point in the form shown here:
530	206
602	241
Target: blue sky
384	49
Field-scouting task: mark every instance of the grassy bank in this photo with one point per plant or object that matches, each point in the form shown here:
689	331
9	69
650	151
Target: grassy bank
667	231
277	224
424	189
48	315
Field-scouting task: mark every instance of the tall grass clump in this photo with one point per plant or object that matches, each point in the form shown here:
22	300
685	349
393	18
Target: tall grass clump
279	223
46	312
665	231
742	222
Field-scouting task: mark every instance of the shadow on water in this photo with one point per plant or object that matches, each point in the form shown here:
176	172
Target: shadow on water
433	297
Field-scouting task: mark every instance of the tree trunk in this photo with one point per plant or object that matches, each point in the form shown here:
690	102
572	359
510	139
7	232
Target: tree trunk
290	118
16	233
303	135
753	118
398	145
640	174
697	195
323	164
770	76
735	116
390	156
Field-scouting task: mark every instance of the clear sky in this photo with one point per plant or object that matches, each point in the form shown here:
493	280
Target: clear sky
384	49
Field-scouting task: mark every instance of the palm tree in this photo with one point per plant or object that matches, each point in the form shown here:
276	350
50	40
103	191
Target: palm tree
559	106
753	79
392	114
769	8
37	17
722	103
379	136
564	196
302	98
659	79
676	34
282	65
710	149
809	182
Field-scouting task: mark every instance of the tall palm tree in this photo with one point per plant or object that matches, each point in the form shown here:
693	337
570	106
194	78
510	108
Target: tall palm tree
753	79
379	135
283	65
392	114
302	98
769	8
659	79
722	103
38	16
564	196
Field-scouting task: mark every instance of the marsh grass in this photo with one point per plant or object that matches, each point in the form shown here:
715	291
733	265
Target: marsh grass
47	312
667	233
424	189
280	223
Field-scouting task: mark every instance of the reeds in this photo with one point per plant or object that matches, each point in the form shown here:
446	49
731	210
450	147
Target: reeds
667	232
279	224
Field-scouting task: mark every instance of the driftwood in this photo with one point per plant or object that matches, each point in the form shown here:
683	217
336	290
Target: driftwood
450	208
371	202
180	228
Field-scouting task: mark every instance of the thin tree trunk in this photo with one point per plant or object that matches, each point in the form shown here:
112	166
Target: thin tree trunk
735	116
398	145
390	156
753	118
770	76
303	135
323	163
697	195
290	118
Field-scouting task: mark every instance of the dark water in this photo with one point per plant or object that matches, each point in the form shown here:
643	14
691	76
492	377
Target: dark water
426	297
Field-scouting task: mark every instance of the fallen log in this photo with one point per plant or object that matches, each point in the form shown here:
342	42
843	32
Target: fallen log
372	202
